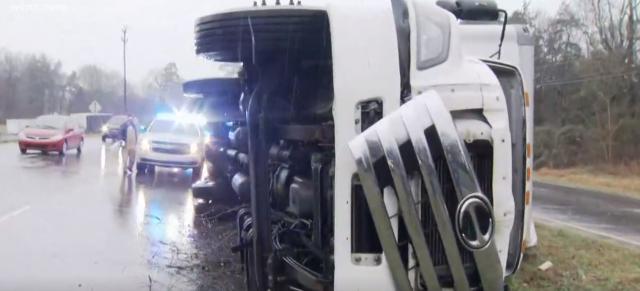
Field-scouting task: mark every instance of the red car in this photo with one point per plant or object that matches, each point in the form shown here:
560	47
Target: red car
52	133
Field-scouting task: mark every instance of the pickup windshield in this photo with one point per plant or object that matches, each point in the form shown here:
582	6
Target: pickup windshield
173	127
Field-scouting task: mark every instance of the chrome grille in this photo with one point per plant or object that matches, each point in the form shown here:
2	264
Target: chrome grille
448	171
170	148
482	160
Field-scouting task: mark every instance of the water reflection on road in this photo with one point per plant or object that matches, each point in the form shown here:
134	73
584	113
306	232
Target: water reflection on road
91	225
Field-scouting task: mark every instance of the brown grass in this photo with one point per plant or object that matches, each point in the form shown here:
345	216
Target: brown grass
622	179
579	262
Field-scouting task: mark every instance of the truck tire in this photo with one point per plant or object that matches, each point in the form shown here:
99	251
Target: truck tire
141	168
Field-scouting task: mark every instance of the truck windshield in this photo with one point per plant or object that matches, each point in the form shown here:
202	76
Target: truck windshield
173	127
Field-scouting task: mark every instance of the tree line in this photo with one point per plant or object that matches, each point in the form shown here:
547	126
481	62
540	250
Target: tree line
587	109
35	84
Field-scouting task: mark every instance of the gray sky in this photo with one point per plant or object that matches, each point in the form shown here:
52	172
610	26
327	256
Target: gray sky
79	32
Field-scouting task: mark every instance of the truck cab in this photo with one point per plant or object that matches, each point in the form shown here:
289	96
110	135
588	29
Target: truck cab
374	152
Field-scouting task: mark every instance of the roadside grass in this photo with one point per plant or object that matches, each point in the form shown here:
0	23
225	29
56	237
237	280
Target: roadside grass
620	179
580	262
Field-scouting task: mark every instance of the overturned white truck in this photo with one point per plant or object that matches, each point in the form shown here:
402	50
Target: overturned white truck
370	150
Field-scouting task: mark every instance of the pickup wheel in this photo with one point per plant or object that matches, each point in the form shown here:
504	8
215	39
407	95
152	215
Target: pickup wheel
141	168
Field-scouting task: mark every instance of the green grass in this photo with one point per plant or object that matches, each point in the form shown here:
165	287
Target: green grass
580	262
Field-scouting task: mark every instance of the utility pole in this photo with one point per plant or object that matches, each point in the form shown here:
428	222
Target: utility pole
124	62
631	53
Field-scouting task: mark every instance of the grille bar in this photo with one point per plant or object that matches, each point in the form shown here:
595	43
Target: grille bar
406	202
415	123
379	213
465	182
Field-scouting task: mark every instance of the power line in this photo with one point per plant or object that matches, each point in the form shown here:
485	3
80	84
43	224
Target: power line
631	71
592	78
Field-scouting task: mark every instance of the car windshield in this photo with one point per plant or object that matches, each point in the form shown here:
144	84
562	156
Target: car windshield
173	127
50	122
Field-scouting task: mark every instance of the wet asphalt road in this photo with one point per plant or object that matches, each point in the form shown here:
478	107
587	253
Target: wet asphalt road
77	223
602	214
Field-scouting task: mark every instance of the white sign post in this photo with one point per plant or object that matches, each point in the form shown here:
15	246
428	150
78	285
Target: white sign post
95	107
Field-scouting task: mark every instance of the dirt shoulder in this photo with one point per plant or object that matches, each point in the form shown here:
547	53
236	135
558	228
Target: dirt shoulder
619	180
580	262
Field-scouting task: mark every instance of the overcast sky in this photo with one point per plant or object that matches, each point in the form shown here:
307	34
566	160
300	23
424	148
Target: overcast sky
79	32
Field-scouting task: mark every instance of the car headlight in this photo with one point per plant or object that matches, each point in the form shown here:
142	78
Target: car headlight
57	137
194	148
105	129
145	145
21	135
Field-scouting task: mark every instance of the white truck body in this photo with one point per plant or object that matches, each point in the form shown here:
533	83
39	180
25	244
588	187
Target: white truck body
480	39
450	89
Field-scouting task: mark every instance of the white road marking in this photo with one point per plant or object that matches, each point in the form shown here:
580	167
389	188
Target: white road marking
14	213
587	230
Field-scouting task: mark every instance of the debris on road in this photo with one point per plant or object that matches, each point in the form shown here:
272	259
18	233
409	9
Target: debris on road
545	266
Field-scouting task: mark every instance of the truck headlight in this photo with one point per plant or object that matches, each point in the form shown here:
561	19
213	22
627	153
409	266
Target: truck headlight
194	148
145	145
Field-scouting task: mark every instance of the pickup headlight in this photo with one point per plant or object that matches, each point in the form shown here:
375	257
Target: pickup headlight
194	148
145	145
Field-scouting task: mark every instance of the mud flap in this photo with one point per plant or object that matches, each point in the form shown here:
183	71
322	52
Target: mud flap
383	142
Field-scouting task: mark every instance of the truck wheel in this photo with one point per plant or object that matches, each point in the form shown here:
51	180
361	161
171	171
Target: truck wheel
64	148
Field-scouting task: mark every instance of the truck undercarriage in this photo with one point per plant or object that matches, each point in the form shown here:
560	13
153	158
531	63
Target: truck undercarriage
288	133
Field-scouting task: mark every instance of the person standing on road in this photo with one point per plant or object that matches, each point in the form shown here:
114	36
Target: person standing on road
130	134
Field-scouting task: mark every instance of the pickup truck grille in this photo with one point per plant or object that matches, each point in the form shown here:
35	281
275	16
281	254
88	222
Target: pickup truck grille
417	154
170	148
